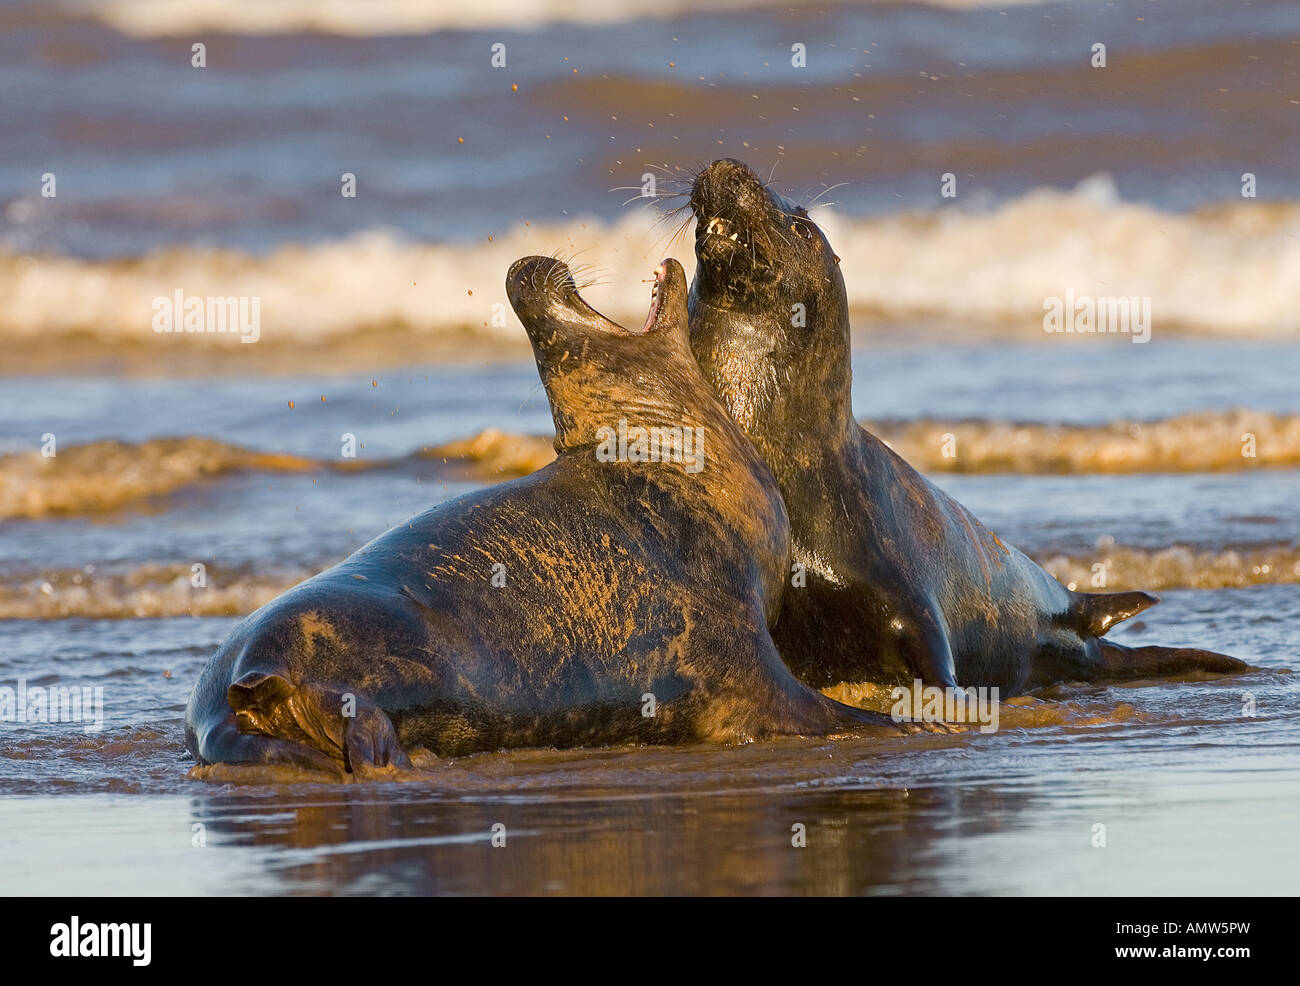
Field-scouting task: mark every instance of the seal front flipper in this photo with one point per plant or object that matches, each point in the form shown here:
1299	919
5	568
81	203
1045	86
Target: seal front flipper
348	728
1099	611
923	641
224	743
849	719
370	742
784	705
258	692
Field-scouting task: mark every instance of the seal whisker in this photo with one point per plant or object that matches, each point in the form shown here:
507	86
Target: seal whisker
672	213
643	194
667	215
531	394
767	236
825	191
652	201
676	233
683	179
674	172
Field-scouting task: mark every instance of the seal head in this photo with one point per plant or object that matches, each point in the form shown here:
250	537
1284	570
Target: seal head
589	363
768	302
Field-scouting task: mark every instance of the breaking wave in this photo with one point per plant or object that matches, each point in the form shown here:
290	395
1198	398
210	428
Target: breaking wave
1233	269
153	18
109	475
106	475
153	590
1208	441
1176	567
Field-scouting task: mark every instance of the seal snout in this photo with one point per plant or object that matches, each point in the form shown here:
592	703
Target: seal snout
533	275
727	199
544	295
738	221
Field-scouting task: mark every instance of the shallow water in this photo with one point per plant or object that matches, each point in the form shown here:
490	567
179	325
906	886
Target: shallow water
1195	799
1195	795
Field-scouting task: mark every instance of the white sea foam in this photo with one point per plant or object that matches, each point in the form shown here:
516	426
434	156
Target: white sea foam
1233	269
153	18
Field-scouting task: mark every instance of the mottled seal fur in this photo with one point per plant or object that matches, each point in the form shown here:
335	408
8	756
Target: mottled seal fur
559	609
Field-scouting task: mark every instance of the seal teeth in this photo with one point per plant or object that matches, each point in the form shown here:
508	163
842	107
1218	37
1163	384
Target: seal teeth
653	313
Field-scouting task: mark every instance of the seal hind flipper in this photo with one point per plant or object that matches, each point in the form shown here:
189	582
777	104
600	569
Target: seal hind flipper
1119	661
1099	611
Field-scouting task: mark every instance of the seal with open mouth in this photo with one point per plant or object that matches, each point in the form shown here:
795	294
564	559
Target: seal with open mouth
902	582
621	594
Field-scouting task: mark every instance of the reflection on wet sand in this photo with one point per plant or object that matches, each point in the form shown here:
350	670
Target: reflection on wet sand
856	842
963	813
1195	794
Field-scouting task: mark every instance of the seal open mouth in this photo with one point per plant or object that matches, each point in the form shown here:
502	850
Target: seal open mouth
721	228
656	293
544	292
743	235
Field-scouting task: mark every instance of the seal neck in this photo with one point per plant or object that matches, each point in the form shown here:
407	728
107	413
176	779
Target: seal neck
599	398
781	387
656	427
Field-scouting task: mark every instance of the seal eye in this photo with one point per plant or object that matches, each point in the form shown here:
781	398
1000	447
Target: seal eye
802	229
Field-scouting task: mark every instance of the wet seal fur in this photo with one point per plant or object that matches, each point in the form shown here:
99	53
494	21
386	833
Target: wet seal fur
902	581
622	579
